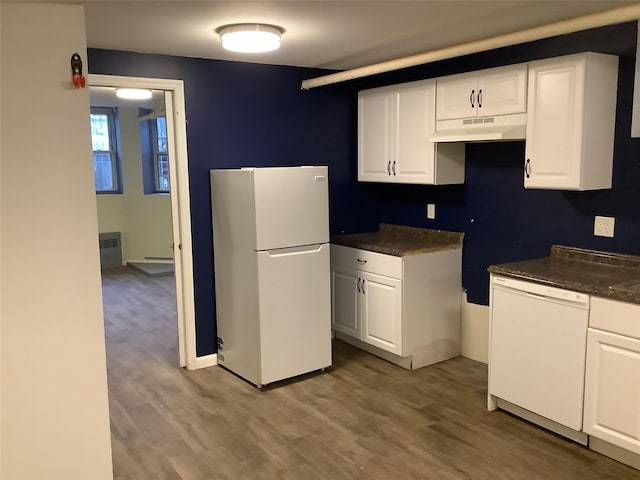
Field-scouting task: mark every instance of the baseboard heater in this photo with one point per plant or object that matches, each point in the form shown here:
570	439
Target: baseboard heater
110	249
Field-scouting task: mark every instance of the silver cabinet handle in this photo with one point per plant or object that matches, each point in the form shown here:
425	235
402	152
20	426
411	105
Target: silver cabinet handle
527	168
393	167
472	98
362	287
389	167
360	261
480	98
359	280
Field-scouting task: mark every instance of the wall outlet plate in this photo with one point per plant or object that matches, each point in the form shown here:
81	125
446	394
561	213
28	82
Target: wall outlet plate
431	211
604	226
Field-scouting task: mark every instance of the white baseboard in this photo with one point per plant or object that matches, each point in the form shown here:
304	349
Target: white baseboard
149	260
205	361
158	259
474	331
613	451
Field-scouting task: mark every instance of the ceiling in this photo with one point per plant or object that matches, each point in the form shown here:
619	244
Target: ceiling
331	34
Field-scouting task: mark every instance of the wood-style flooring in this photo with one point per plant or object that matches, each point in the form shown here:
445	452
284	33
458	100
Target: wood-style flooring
362	419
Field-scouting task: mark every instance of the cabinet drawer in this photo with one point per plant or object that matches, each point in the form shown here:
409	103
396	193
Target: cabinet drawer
614	316
367	261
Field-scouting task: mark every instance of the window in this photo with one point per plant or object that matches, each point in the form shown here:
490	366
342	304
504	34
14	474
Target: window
105	159
160	154
155	153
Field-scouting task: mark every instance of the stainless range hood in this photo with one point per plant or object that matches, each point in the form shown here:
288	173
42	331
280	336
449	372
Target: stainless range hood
481	129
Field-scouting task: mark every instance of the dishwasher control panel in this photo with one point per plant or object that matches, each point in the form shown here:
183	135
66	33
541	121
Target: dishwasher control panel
546	291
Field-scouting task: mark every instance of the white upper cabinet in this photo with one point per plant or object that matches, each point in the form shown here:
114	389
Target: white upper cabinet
457	96
374	120
569	104
394	124
571	111
414	106
496	91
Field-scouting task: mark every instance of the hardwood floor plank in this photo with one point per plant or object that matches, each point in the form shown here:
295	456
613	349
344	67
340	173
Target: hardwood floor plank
363	419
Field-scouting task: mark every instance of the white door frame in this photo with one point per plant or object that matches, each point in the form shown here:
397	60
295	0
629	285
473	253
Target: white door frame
180	203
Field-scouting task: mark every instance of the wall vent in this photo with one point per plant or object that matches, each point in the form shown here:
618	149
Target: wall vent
110	249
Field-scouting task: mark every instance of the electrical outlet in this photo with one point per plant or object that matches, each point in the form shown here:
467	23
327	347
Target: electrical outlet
604	226
431	210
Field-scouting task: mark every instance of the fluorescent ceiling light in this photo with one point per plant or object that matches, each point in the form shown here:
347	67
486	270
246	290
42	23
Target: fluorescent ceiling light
133	93
250	37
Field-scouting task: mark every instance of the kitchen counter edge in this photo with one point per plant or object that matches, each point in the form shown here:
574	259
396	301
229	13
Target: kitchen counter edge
401	241
595	273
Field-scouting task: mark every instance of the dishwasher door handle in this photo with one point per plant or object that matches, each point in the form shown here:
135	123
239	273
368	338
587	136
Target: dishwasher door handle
539	297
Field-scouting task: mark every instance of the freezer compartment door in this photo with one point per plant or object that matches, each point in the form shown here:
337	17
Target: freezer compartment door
295	311
292	206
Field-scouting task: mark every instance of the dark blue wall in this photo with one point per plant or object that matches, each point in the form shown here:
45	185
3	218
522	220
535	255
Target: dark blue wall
243	114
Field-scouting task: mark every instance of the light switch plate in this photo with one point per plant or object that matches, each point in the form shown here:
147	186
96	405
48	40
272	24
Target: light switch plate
431	210
604	226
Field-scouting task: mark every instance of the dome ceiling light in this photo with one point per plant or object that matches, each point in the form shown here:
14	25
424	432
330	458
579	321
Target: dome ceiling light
134	93
250	37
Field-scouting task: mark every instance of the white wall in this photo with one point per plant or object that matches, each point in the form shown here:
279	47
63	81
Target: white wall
110	213
54	418
144	220
475	331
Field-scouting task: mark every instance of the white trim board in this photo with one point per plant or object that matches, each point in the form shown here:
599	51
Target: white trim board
474	331
180	202
207	361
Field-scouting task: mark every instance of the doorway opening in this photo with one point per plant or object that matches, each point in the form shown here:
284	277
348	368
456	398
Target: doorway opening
166	175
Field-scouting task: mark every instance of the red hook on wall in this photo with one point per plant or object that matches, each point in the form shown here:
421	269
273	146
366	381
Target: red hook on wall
77	78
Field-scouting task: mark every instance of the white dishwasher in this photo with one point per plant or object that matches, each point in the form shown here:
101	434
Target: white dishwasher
537	353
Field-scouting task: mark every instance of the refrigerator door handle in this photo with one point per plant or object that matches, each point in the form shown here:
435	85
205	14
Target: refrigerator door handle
300	250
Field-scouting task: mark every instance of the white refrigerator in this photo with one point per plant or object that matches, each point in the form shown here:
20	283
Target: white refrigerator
272	280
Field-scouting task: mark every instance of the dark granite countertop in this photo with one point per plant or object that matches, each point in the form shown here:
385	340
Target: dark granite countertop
399	240
603	274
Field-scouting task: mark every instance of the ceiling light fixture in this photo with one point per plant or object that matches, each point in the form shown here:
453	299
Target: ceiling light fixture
250	37
133	93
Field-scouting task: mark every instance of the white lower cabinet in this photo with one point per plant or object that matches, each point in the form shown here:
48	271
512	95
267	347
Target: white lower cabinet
405	309
368	307
382	312
612	381
345	300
